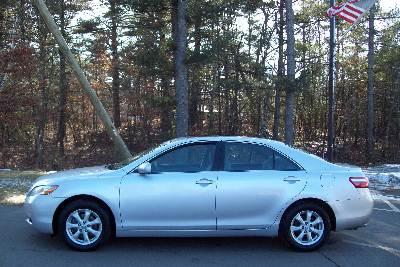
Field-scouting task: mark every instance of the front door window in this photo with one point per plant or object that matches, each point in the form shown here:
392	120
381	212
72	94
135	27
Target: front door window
191	158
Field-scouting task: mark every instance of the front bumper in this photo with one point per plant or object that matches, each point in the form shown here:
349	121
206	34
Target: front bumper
40	210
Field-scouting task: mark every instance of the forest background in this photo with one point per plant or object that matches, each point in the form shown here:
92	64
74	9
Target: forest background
237	78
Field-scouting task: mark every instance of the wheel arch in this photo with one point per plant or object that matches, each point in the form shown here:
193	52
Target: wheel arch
321	203
82	197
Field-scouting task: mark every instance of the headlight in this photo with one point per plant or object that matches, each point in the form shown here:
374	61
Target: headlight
43	190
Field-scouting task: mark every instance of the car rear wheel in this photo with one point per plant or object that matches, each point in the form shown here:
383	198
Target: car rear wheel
305	227
85	225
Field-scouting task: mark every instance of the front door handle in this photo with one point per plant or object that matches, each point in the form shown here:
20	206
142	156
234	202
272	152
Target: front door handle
204	182
291	179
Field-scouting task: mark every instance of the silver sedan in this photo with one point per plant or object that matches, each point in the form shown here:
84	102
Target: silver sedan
203	186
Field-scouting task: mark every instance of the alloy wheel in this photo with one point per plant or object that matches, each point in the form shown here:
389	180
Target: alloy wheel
83	226
307	227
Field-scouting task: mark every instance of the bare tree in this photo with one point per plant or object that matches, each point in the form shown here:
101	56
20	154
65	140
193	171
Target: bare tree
115	63
63	85
195	90
42	77
181	82
291	68
281	72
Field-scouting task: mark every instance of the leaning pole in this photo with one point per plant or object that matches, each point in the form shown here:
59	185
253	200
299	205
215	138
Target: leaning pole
121	149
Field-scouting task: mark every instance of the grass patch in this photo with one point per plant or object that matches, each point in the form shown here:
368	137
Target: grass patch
12	196
29	175
15	184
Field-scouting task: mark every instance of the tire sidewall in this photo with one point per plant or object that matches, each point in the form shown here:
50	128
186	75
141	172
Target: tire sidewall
285	232
101	212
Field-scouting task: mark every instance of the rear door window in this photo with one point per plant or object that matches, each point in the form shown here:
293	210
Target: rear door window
245	157
282	163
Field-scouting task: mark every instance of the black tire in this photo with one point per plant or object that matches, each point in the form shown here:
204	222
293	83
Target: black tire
102	213
285	233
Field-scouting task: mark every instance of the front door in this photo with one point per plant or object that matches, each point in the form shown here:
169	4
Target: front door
179	194
254	186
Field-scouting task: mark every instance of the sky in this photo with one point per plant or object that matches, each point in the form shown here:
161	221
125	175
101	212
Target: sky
389	4
98	8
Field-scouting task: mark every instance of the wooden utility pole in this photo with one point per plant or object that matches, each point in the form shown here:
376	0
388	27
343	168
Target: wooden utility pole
122	151
331	85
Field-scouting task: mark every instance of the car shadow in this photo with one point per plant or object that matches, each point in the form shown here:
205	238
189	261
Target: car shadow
188	244
220	243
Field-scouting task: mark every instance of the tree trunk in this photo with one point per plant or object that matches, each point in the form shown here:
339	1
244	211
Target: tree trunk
291	68
281	73
2	41
165	116
43	95
22	21
263	132
181	82
264	42
371	59
212	93
63	88
115	64
195	92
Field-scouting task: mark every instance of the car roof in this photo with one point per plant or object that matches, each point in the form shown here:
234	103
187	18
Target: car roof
191	139
221	138
308	162
305	160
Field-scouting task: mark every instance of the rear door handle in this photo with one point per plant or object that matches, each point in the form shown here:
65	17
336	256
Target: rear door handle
291	179
204	181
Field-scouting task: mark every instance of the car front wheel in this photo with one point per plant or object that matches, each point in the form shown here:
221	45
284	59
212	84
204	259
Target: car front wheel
305	227
85	225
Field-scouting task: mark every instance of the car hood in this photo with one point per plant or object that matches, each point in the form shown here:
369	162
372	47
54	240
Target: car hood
79	173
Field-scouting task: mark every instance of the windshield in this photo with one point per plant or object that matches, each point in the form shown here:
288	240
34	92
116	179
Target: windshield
119	165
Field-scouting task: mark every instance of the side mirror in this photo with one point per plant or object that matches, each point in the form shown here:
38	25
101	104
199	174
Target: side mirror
144	168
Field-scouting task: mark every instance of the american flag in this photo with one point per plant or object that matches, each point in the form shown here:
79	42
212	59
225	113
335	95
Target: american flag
351	10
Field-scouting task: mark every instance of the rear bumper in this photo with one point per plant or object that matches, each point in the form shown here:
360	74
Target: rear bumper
354	213
40	210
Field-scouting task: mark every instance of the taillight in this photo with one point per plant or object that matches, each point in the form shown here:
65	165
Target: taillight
359	182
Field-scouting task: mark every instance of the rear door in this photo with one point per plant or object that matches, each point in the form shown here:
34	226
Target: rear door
255	184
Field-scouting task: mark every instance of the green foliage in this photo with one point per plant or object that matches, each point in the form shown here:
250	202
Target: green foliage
232	76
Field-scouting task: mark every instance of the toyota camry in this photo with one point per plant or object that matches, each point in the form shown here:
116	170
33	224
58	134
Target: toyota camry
203	187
